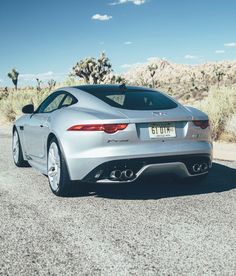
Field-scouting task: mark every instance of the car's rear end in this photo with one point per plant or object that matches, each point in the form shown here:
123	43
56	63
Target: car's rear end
138	131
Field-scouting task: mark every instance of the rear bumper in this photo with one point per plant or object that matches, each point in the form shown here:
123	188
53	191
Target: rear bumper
176	168
173	159
180	166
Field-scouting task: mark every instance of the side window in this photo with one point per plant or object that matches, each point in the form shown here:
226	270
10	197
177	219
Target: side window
53	104
69	100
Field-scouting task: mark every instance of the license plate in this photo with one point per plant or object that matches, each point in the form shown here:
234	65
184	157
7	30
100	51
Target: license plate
160	130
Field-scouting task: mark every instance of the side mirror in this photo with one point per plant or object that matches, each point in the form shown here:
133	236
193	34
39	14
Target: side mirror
28	109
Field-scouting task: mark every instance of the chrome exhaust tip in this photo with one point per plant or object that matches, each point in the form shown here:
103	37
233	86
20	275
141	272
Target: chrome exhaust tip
127	174
196	168
115	175
204	167
200	168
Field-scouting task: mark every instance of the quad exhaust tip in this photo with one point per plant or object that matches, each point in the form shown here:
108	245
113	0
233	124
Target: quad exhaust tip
200	168
115	175
127	174
121	175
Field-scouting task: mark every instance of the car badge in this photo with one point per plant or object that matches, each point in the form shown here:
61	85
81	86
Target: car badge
159	113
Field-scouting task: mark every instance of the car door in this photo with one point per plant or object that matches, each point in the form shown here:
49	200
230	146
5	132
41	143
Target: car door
38	126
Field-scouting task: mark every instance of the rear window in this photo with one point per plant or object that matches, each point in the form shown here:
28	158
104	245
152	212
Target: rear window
134	99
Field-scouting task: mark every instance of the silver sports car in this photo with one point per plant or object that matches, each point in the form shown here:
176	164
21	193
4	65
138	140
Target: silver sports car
111	133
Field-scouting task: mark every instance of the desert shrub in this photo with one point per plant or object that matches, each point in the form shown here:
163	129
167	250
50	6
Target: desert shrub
3	94
230	135
11	106
232	124
72	81
220	105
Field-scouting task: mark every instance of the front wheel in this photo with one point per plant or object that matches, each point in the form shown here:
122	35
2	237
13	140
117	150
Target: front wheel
58	175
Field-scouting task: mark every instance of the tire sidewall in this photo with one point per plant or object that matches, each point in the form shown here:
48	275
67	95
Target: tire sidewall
20	162
64	180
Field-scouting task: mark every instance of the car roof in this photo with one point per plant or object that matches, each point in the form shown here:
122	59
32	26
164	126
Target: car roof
107	87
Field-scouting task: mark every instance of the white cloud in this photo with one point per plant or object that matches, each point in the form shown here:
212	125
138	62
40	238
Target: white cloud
137	64
132	65
100	17
219	51
155	59
135	2
42	76
231	44
127	42
191	57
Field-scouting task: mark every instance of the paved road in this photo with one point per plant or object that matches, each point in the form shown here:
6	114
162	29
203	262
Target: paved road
155	227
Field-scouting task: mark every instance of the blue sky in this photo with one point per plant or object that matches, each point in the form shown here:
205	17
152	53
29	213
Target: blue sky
45	38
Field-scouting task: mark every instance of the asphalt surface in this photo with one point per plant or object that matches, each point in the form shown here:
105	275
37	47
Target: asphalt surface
154	227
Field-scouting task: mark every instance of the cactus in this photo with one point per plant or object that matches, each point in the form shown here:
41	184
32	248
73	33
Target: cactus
219	75
51	84
39	82
120	80
93	70
152	70
13	75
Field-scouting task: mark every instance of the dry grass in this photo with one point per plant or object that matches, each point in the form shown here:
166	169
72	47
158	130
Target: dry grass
11	102
11	106
220	105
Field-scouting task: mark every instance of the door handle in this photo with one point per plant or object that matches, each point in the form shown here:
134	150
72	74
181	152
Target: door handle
41	125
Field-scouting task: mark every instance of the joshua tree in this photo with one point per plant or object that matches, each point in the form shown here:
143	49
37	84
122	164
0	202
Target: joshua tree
13	75
152	69
39	82
51	84
219	75
118	79
93	70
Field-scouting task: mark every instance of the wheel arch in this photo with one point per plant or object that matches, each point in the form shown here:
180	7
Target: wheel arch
49	139
20	135
14	128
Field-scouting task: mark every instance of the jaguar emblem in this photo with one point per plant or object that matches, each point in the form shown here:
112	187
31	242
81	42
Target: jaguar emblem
156	113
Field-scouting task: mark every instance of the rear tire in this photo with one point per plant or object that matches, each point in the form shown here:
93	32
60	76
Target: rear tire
17	151
57	171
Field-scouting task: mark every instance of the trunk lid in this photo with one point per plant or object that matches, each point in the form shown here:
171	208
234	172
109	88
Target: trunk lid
155	125
177	114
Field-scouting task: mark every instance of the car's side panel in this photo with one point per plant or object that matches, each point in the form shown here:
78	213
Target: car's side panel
35	133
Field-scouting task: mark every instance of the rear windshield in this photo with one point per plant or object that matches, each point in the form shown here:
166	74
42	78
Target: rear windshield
134	99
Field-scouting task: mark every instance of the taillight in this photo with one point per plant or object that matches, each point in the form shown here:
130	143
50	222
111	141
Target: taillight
108	128
201	123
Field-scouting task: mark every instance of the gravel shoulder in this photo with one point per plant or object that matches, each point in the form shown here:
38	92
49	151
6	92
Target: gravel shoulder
153	227
225	151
